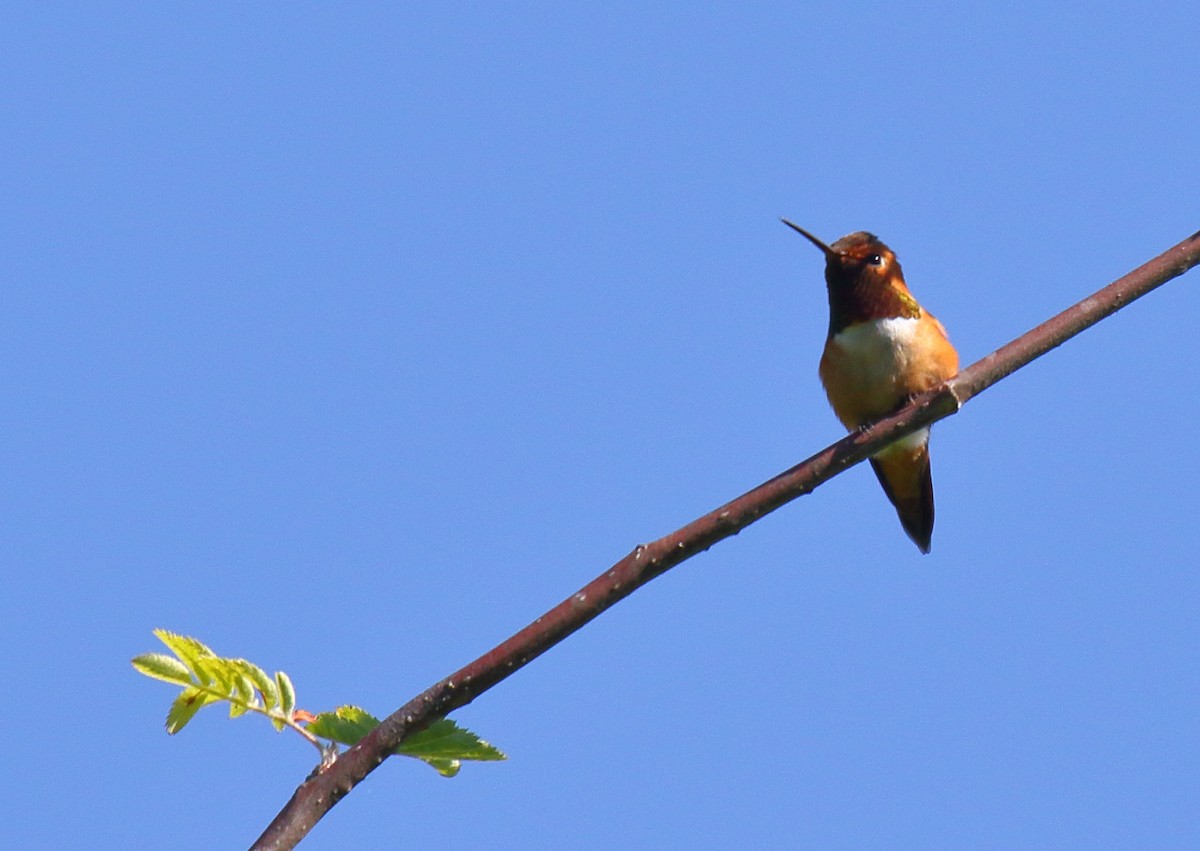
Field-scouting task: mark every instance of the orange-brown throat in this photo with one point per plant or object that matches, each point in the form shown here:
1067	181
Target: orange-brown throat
864	280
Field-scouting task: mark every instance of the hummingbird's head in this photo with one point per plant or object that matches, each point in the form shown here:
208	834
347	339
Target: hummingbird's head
857	258
864	279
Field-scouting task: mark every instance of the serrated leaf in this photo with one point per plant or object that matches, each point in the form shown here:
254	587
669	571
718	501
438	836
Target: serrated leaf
264	684
209	678
186	648
287	694
160	666
446	740
203	671
225	673
346	724
222	677
190	701
443	744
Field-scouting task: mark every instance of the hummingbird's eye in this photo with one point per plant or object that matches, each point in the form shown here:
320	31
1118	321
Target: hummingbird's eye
875	259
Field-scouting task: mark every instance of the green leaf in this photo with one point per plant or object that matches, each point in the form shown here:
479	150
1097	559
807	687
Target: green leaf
287	694
446	740
160	666
225	674
187	649
246	693
442	745
245	696
444	767
212	673
265	685
208	678
346	724
190	701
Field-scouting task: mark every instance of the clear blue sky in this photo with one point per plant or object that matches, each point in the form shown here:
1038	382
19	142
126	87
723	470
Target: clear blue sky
351	339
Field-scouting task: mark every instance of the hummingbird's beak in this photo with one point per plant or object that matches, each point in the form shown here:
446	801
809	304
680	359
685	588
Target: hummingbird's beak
829	252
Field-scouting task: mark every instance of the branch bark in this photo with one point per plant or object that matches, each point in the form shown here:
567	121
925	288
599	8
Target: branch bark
318	794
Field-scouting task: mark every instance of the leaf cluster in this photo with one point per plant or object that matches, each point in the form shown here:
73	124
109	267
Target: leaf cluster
206	678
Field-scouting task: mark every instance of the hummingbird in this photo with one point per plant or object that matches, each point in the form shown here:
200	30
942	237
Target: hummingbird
883	348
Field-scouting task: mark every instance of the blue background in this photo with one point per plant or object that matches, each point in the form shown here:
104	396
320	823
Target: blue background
352	339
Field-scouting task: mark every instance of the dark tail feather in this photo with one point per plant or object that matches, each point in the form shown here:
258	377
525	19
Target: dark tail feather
907	481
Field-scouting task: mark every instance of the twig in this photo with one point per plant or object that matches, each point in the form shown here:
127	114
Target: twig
317	795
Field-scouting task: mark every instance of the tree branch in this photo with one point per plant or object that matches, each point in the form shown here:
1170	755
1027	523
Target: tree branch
317	795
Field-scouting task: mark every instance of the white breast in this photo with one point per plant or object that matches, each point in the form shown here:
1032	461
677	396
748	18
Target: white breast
873	355
878	349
